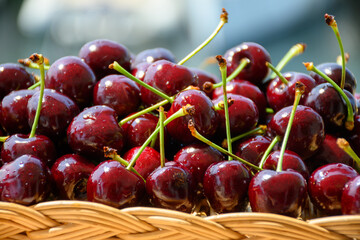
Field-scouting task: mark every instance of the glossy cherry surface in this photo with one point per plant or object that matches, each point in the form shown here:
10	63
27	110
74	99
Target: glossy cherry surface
119	93
139	70
111	184
26	180
326	185
252	149
100	53
350	198
282	193
153	55
203	77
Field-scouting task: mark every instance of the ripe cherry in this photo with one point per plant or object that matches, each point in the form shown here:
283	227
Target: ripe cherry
153	55
350	198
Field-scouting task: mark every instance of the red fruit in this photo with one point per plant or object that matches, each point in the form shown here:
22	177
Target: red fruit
350	198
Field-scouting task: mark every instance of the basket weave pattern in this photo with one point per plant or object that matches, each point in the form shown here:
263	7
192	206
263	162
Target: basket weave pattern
61	220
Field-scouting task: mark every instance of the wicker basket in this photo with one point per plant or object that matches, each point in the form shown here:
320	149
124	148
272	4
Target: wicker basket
85	220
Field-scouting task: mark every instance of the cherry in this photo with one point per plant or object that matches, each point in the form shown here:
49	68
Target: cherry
26	180
291	161
333	71
252	149
254	72
39	146
57	111
153	55
13	111
111	184
147	162
226	185
350	198
93	129
171	187
326	185
205	117
119	93
139	70
205	77
280	94
70	173
354	135
307	131
243	115
71	76
100	53
196	158
167	77
13	77
278	192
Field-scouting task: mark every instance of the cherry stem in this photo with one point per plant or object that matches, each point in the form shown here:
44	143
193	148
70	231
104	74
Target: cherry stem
38	59
27	62
162	142
349	124
344	145
268	150
223	70
261	129
142	112
198	136
35	85
283	80
111	153
339	58
299	90
116	66
269	110
330	20
3	138
186	110
153	141
223	20
294	51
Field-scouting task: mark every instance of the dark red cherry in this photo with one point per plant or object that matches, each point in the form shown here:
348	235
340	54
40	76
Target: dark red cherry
147	162
225	186
100	53
171	187
326	101
326	185
333	71
139	70
307	131
256	70
291	160
196	158
252	149
280	95
282	193
13	77
119	93
350	198
14	111
153	55
243	115
93	129
354	135
74	78
246	89
70	173
39	146
205	117
167	77
57	111
329	152
203	77
111	184
25	180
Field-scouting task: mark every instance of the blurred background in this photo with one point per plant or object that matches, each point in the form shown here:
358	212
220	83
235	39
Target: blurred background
58	28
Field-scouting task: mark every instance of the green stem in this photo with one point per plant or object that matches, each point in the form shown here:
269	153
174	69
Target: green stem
35	85
223	20
298	92
198	136
344	145
162	142
349	124
142	112
28	63
41	94
268	151
259	130
269	110
283	80
3	138
181	112
294	51
153	141
116	66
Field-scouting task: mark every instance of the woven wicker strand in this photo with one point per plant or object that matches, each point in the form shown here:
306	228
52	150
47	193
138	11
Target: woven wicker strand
76	220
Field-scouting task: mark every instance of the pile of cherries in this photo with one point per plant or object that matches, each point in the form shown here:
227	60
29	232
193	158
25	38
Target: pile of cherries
126	130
